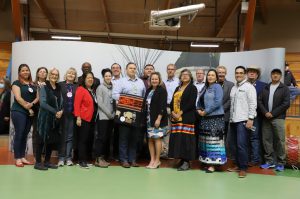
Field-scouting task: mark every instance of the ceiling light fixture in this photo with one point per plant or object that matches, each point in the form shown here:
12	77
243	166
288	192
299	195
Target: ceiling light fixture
204	45
66	37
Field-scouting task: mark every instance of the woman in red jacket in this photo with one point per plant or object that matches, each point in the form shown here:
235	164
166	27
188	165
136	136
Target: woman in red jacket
85	111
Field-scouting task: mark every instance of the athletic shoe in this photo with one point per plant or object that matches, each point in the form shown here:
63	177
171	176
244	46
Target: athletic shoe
267	166
279	168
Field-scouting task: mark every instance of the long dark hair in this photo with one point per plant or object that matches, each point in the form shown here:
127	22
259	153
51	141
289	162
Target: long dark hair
206	79
84	75
19	71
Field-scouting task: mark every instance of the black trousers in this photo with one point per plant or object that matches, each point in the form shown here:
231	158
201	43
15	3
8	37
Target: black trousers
85	137
47	148
102	141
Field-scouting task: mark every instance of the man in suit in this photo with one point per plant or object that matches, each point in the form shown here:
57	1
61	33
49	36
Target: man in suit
87	67
226	85
253	74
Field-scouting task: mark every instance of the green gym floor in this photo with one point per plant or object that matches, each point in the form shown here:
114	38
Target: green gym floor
117	182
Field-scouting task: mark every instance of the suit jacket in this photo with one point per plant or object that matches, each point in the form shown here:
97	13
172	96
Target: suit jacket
259	87
187	103
281	101
227	86
158	105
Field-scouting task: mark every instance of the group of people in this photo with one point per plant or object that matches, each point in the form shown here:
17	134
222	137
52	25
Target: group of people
208	119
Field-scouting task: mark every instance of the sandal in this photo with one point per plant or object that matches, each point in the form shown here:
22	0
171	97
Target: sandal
210	169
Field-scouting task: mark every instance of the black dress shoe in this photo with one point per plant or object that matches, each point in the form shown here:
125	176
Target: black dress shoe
125	165
83	165
40	166
185	166
50	165
134	164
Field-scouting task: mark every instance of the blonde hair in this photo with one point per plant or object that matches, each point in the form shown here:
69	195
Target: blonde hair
71	69
50	73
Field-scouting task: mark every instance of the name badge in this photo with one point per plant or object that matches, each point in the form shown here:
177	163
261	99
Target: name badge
69	94
30	90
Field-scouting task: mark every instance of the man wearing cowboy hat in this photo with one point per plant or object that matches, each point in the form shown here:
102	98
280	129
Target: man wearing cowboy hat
253	73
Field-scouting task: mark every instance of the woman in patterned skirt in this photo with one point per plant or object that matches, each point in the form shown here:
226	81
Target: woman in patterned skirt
157	121
182	139
211	134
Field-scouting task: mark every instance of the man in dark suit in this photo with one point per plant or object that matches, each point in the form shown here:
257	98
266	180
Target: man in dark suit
253	73
226	85
87	67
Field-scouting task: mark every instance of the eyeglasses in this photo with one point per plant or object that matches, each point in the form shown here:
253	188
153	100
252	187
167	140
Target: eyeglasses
54	74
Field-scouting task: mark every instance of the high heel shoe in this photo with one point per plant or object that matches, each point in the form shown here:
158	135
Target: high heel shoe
155	166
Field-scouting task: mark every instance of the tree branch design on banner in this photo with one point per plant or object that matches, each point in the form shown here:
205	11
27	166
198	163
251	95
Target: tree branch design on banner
140	56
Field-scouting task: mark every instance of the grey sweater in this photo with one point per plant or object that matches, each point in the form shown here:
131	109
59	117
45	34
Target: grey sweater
105	102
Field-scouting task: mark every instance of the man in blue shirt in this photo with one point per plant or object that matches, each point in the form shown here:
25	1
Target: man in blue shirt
128	135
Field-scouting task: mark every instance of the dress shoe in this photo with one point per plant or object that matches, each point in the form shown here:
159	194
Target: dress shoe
125	165
134	164
233	169
242	174
40	166
184	167
50	165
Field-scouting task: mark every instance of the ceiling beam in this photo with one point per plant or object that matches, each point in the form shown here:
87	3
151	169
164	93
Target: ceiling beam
17	20
104	10
263	11
46	12
128	35
247	33
234	4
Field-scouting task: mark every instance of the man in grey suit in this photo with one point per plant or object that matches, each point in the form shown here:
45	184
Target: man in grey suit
226	85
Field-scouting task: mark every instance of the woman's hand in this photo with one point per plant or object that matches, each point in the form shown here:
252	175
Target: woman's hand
59	114
31	112
157	123
201	113
78	121
28	105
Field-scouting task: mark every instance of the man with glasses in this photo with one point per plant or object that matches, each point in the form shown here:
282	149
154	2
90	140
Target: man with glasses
171	84
242	113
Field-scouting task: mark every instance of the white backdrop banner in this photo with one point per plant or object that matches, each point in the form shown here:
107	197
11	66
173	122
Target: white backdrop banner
65	54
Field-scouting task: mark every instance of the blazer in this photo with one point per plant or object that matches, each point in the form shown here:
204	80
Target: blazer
158	105
83	104
227	86
281	101
187	103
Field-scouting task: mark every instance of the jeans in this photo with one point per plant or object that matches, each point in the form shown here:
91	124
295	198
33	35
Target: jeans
255	141
66	142
128	143
273	134
22	123
240	136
